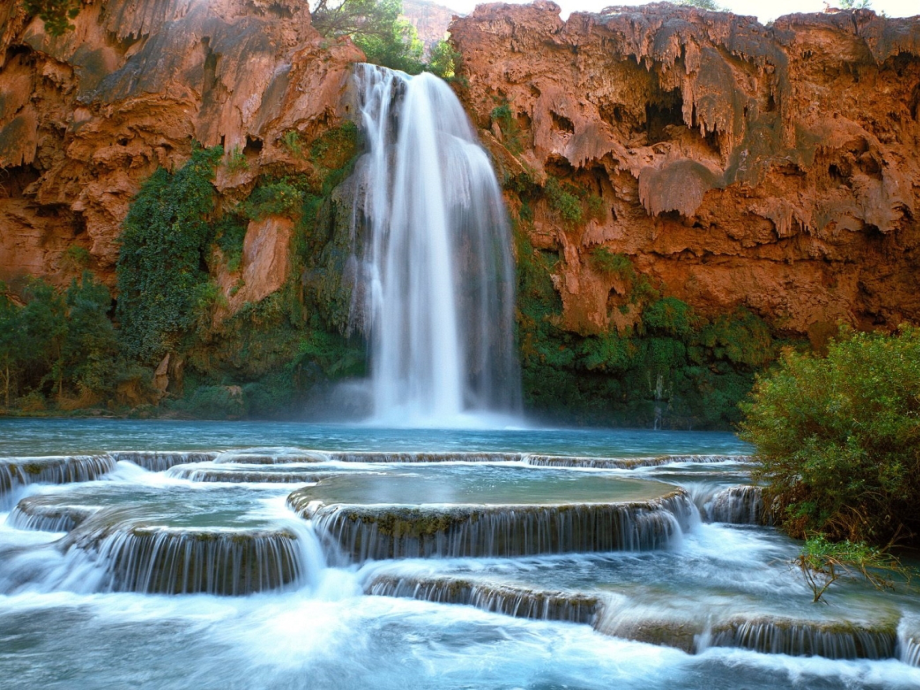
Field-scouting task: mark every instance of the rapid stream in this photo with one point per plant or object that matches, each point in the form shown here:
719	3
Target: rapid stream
257	555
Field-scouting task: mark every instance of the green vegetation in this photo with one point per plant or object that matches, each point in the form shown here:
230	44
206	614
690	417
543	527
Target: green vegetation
236	160
376	28
710	5
823	562
564	200
62	344
56	14
503	116
672	368
663	365
161	271
838	438
444	61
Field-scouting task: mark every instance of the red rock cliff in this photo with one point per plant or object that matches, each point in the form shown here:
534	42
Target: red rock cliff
772	167
86	117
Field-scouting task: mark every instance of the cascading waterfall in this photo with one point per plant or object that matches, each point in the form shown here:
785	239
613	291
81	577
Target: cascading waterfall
381	532
510	601
436	289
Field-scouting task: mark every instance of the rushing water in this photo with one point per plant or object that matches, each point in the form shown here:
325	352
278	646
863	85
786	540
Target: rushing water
202	574
438	274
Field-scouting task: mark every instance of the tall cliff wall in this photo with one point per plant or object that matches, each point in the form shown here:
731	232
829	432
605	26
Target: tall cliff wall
776	168
686	187
88	116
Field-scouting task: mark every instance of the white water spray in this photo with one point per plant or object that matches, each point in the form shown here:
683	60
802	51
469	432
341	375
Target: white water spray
436	290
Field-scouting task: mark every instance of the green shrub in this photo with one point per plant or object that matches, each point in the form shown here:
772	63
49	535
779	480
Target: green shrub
230	234
214	402
838	438
274	197
163	244
669	316
503	116
823	562
56	14
564	201
236	160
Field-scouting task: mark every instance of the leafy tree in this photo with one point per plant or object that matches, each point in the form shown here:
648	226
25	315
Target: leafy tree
710	5
375	27
160	267
44	328
443	60
90	345
838	438
11	341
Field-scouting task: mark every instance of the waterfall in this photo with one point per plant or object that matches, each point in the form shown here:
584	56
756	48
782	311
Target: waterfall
436	291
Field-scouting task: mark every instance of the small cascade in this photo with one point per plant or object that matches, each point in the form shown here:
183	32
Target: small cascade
837	640
648	626
736	505
38	514
435	287
249	458
909	641
19	472
157	560
209	474
628	463
507	600
414	457
381	532
911	651
155	461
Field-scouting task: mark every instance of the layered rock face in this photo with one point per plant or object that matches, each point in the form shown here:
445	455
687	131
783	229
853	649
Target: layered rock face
733	164
86	117
775	168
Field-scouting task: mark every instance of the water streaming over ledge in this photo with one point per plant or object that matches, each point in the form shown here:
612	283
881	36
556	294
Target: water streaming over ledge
717	598
436	284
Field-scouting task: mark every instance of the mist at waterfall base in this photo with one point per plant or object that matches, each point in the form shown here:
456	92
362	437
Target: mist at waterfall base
432	275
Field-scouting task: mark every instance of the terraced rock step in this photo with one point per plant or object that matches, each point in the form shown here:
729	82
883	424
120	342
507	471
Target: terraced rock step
61	469
767	635
526	458
216	474
46	514
156	560
381	531
269	458
628	463
156	461
508	600
832	640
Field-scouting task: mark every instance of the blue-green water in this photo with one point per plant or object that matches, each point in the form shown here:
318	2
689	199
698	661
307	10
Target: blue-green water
61	436
61	627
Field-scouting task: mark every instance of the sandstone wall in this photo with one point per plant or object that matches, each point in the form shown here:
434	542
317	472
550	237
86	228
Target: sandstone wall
775	167
86	117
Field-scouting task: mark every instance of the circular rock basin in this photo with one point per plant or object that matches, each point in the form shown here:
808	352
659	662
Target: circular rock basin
482	485
172	539
490	510
169	506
